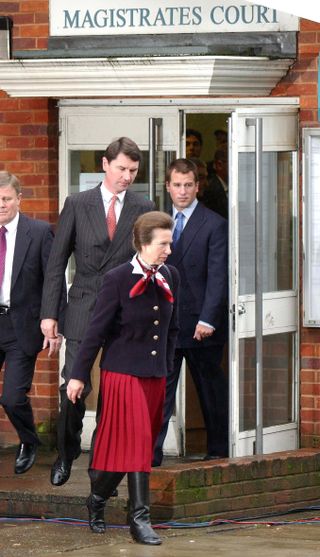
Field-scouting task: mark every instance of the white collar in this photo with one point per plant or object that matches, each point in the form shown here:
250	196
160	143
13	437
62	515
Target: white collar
137	269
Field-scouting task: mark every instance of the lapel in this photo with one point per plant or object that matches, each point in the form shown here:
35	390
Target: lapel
96	214
124	225
188	235
23	240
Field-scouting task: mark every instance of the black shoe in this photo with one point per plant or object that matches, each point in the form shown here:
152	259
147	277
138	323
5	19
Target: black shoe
25	457
60	471
95	506
115	493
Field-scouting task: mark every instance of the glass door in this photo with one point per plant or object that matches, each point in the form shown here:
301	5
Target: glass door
263	350
85	131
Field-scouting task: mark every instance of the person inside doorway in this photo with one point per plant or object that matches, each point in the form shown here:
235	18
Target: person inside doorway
96	227
199	252
193	143
215	195
135	322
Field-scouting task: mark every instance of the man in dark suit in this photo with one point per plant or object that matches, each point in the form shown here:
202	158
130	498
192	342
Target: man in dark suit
96	227
215	194
25	245
200	254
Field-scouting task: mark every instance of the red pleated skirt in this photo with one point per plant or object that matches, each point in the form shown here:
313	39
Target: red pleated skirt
129	421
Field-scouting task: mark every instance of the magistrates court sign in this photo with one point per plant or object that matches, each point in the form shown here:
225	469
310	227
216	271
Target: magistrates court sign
124	17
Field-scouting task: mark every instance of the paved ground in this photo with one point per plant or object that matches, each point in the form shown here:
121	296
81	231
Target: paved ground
52	540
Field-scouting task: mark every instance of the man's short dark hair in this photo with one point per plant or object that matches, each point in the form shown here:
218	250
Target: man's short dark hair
184	166
125	146
191	131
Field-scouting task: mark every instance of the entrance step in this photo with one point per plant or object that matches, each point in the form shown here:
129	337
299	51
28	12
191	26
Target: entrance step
181	490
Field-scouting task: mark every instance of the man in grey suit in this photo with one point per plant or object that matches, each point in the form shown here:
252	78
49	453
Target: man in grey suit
96	227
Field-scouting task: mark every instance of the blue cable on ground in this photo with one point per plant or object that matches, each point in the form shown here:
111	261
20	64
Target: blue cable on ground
261	520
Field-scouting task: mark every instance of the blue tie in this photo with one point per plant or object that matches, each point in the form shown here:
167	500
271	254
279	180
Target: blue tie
178	229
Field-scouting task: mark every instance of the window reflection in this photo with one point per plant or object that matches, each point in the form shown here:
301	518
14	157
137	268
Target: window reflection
277	223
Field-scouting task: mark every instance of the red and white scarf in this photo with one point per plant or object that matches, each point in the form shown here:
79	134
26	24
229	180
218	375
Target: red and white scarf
149	273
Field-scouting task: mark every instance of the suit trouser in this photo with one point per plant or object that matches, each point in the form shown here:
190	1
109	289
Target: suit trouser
212	387
17	381
69	426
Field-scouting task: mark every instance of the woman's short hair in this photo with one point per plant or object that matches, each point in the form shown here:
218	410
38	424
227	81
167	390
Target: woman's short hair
145	225
7	179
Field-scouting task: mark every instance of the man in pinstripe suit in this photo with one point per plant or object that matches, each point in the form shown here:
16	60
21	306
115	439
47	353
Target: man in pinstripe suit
82	231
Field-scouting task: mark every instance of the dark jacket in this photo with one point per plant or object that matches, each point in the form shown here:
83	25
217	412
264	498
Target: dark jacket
138	335
82	231
33	243
201	257
215	198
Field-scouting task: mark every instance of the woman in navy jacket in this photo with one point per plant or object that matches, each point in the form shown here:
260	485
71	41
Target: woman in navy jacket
135	323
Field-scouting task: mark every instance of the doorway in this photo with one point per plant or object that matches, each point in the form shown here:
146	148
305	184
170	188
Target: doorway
87	127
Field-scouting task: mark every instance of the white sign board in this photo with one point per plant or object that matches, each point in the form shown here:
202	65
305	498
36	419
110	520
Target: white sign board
308	9
145	17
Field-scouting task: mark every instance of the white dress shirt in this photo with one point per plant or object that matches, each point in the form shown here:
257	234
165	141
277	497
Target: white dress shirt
107	196
11	242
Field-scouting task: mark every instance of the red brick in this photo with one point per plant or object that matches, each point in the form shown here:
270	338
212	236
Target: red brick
34	31
18	117
34	6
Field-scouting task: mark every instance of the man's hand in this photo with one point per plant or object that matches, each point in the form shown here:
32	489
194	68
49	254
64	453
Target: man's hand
52	339
49	328
54	344
74	389
202	331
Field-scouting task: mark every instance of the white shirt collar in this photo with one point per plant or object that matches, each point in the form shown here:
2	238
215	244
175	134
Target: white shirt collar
187	211
13	224
107	195
137	269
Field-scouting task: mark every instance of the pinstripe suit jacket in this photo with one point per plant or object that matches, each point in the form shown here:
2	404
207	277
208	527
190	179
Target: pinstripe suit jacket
82	231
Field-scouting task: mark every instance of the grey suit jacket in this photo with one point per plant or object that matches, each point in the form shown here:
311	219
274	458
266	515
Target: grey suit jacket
82	231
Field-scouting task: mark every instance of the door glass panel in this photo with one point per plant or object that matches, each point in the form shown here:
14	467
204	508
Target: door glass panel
277	222
278	359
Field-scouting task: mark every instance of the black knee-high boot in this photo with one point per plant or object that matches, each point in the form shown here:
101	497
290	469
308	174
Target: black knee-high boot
139	512
102	486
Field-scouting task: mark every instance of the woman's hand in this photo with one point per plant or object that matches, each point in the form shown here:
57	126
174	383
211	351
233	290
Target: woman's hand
74	389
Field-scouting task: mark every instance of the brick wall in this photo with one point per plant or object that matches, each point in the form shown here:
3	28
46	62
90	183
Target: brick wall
301	81
28	148
31	23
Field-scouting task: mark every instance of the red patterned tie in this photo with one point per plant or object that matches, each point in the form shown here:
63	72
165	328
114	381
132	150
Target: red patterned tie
142	284
3	251
111	218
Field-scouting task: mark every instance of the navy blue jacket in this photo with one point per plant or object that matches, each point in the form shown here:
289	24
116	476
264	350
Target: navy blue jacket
33	244
201	257
138	335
